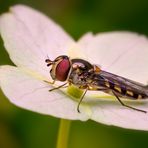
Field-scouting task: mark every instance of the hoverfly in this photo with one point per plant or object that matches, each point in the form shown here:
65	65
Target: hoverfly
87	76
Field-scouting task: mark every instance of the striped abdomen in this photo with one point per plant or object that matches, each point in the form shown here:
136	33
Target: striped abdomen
123	91
122	86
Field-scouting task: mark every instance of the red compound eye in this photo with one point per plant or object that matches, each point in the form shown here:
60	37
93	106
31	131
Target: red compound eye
62	69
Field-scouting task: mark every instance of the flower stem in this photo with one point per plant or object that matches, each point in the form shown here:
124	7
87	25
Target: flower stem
62	141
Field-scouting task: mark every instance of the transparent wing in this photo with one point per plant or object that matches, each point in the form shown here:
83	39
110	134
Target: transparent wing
121	81
121	53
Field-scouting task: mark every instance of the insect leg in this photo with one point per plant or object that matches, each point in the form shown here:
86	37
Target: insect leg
50	82
59	87
127	105
82	97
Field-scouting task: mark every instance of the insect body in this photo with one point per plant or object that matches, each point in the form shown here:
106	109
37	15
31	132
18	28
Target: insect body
90	77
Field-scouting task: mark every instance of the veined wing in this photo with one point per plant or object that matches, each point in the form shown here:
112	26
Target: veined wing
116	82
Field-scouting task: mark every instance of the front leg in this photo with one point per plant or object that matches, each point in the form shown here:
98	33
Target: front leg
51	83
82	97
61	86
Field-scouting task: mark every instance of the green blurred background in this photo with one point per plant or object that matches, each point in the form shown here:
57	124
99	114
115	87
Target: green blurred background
24	129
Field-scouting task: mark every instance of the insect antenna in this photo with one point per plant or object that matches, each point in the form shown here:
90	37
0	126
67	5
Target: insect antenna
48	61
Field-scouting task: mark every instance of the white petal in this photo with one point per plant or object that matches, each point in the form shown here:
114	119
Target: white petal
113	113
122	53
29	93
30	37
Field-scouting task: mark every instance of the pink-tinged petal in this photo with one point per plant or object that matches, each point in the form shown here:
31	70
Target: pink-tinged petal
30	37
122	53
30	93
113	113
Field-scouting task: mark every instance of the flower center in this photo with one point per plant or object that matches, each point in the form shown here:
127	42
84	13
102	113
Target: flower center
74	92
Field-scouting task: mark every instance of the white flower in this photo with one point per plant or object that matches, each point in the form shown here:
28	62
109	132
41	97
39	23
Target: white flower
29	37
